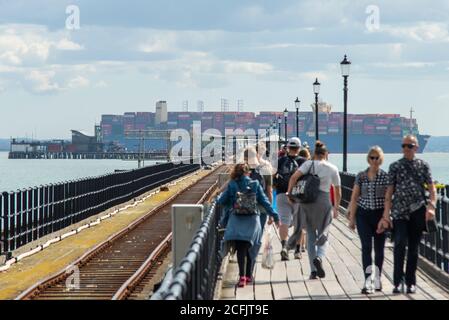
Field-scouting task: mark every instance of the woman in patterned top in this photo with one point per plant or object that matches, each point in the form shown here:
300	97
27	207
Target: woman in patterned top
365	210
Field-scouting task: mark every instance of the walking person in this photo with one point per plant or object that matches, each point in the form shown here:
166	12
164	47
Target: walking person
242	219
288	211
365	210
317	216
260	170
299	232
410	209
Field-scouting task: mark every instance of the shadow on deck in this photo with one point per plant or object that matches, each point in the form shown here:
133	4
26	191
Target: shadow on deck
344	277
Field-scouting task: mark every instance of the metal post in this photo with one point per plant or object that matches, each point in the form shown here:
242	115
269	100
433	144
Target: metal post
345	125
4	234
257	140
223	148
297	122
279	128
285	128
317	135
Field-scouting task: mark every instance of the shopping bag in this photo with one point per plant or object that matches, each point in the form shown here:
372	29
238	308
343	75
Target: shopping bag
267	254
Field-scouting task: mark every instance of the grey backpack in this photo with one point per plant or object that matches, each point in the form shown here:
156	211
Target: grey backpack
245	202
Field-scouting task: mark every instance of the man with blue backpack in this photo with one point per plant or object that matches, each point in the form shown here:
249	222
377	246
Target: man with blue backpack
287	166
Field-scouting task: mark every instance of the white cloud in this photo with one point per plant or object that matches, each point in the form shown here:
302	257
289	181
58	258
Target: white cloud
31	45
160	42
78	82
41	81
311	76
101	84
422	32
65	44
296	45
247	67
396	50
27	48
443	97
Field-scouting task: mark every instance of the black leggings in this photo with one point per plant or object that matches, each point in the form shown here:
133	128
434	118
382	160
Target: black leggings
243	257
367	221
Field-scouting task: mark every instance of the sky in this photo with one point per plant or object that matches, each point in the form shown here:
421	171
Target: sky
57	75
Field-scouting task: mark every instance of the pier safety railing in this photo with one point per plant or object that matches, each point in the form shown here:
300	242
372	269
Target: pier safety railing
29	214
196	276
434	246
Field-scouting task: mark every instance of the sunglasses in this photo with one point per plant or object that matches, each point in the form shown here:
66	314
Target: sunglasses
408	145
374	158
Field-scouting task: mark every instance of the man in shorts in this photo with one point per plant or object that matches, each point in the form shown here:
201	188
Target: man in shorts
287	165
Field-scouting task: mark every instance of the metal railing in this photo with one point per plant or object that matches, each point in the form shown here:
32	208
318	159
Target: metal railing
29	214
196	276
434	246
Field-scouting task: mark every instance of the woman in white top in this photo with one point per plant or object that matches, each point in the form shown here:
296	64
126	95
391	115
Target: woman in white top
317	216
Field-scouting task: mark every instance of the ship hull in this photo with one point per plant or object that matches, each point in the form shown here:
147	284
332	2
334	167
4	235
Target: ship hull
362	143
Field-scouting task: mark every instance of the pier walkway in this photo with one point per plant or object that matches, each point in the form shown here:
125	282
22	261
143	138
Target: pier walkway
344	277
114	246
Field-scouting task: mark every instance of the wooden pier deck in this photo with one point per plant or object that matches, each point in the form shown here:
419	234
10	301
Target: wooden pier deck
344	277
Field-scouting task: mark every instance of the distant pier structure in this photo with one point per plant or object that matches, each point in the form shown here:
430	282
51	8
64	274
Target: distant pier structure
82	146
162	155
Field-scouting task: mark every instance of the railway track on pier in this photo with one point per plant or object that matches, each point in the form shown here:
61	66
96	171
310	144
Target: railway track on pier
121	266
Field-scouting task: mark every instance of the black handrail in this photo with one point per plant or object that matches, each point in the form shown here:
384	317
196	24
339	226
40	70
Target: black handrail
196	276
29	214
434	246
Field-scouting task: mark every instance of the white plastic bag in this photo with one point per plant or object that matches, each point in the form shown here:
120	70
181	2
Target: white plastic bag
267	254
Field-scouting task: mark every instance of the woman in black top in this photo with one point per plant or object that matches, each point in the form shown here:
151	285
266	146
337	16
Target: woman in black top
365	210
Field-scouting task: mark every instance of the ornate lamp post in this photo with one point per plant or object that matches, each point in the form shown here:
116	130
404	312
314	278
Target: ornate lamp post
316	90
285	123
345	66
297	102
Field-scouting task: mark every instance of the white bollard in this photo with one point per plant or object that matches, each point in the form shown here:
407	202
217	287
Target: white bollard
186	220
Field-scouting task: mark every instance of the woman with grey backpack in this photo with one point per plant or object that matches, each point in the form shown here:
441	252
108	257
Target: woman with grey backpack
310	185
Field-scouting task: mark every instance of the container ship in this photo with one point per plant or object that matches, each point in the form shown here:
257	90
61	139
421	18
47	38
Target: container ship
364	130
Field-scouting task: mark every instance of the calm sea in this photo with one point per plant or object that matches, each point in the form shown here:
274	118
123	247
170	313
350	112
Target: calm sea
17	174
439	163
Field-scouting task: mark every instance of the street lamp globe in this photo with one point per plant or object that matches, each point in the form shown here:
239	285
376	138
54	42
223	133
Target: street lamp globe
285	113
316	86
297	102
345	66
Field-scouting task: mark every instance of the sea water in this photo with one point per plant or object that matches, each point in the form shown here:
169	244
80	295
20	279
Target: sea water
24	173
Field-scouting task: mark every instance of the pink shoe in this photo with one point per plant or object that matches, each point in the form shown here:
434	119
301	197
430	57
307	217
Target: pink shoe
242	282
249	280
